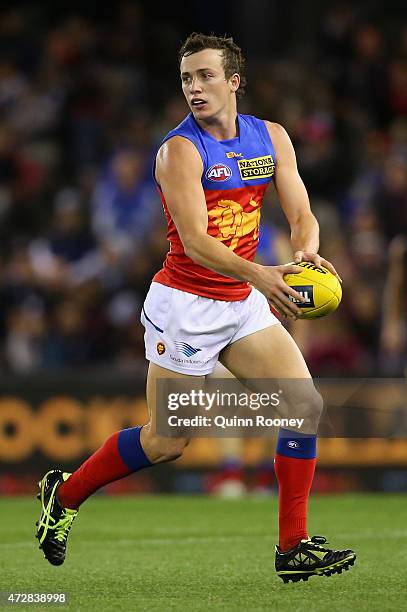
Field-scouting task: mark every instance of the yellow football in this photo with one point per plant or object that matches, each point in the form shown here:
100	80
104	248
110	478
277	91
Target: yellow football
320	288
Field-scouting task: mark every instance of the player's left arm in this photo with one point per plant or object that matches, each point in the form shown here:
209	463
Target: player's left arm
295	202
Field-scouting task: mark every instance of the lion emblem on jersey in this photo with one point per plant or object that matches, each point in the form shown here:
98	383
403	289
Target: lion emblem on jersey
233	222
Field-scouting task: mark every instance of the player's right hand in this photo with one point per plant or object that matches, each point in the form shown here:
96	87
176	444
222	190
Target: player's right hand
270	281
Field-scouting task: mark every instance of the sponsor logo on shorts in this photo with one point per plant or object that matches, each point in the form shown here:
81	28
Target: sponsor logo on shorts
293	444
188	361
160	348
307	292
257	167
186	349
219	172
232	154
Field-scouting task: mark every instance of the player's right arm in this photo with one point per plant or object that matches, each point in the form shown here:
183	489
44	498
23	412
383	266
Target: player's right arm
179	170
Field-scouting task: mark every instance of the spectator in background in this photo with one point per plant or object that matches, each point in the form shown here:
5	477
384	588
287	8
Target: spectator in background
69	342
394	325
389	200
69	256
9	172
26	332
124	205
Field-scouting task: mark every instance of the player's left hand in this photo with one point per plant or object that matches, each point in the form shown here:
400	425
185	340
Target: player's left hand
317	260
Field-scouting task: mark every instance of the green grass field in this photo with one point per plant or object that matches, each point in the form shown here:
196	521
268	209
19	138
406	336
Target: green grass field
199	553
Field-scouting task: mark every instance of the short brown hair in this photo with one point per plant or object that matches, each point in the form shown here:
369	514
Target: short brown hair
233	60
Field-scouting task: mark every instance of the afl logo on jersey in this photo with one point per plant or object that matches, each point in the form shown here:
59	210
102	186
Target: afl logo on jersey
218	172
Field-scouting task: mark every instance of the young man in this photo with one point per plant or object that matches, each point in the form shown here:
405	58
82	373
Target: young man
210	301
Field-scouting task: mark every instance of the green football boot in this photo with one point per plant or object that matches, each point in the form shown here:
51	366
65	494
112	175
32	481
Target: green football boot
55	521
311	558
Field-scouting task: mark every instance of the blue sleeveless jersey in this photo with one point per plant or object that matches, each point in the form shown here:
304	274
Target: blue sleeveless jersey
235	176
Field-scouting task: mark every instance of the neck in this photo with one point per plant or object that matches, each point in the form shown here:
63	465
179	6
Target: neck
221	127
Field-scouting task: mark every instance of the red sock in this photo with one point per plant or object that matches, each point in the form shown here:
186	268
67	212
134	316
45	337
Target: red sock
104	466
294	480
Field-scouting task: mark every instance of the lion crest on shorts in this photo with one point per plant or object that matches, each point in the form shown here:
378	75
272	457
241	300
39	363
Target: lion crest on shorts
160	348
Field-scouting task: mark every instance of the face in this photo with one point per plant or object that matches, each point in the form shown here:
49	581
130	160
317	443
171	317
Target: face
205	86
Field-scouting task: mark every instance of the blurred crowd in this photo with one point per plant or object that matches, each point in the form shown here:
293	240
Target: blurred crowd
84	103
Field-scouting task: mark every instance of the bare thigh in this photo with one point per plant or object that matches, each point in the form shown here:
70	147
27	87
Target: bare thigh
268	353
268	361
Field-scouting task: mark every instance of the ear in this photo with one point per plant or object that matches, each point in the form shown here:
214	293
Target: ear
234	81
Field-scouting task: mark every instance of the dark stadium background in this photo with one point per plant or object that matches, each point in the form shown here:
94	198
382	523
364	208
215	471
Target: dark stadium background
86	94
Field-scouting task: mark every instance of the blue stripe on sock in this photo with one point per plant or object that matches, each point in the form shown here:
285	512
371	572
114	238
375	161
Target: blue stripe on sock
130	449
296	444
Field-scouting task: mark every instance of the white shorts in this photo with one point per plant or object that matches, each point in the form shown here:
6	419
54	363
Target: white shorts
186	332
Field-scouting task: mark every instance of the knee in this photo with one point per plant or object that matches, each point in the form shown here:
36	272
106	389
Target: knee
316	404
305	401
311	404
